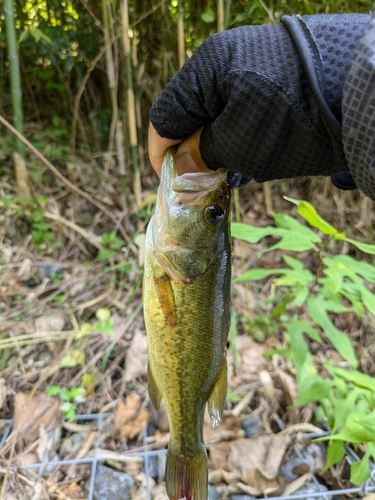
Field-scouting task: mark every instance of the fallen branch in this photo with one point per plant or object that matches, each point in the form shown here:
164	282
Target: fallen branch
63	179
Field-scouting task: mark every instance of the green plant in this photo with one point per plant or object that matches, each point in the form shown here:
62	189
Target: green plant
307	302
69	397
112	244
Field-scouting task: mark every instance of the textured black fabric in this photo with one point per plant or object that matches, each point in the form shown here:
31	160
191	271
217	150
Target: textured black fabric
325	48
236	180
344	181
359	112
249	87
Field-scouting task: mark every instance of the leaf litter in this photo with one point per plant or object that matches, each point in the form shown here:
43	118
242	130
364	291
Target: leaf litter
49	297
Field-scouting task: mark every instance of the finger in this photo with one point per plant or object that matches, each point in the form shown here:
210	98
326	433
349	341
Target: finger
188	157
157	147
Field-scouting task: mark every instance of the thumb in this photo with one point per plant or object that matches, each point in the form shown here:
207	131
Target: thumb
188	157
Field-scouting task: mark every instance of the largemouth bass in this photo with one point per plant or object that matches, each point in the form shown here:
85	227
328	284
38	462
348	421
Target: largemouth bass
186	295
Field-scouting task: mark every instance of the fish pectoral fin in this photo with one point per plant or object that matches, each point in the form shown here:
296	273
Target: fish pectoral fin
166	298
186	475
218	396
153	390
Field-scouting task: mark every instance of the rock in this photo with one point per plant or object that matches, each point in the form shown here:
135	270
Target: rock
111	484
311	488
51	268
213	494
312	455
251	427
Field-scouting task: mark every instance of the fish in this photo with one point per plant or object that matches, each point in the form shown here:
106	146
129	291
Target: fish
186	301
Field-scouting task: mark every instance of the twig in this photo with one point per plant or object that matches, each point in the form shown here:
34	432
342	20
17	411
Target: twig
63	179
91	238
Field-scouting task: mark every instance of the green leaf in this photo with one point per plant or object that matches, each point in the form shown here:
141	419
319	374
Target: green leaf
54	390
309	213
106	254
358	428
256	274
364	269
208	16
355	377
360	471
317	307
294	236
72	358
335	453
23	36
68	410
253	234
312	389
300	353
46	74
342	408
364	247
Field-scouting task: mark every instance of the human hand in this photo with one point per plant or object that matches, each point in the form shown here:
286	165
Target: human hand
187	157
157	147
247	87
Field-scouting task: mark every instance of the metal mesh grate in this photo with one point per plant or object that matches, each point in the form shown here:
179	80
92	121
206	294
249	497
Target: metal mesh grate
351	456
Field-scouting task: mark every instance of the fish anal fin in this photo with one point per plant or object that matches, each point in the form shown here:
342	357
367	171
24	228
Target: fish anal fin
218	396
153	390
166	298
186	475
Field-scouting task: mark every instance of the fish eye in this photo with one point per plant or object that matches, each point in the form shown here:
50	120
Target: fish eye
214	214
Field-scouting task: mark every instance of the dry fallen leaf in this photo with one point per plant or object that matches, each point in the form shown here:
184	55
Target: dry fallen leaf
242	488
31	413
290	389
22	177
3	392
223	476
250	353
159	492
23	273
130	418
52	323
71	490
44	445
258	460
229	424
218	457
136	357
297	484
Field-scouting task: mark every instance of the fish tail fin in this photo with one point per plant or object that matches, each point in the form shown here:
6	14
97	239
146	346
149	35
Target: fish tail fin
186	476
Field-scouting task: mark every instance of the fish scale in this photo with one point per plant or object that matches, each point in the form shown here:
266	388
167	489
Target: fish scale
186	295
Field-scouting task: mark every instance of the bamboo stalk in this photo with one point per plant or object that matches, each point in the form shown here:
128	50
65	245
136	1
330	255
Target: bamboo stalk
227	13
220	15
138	110
180	35
110	71
116	130
15	73
132	121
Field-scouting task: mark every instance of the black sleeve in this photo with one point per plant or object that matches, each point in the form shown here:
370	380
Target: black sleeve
251	89
358	109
